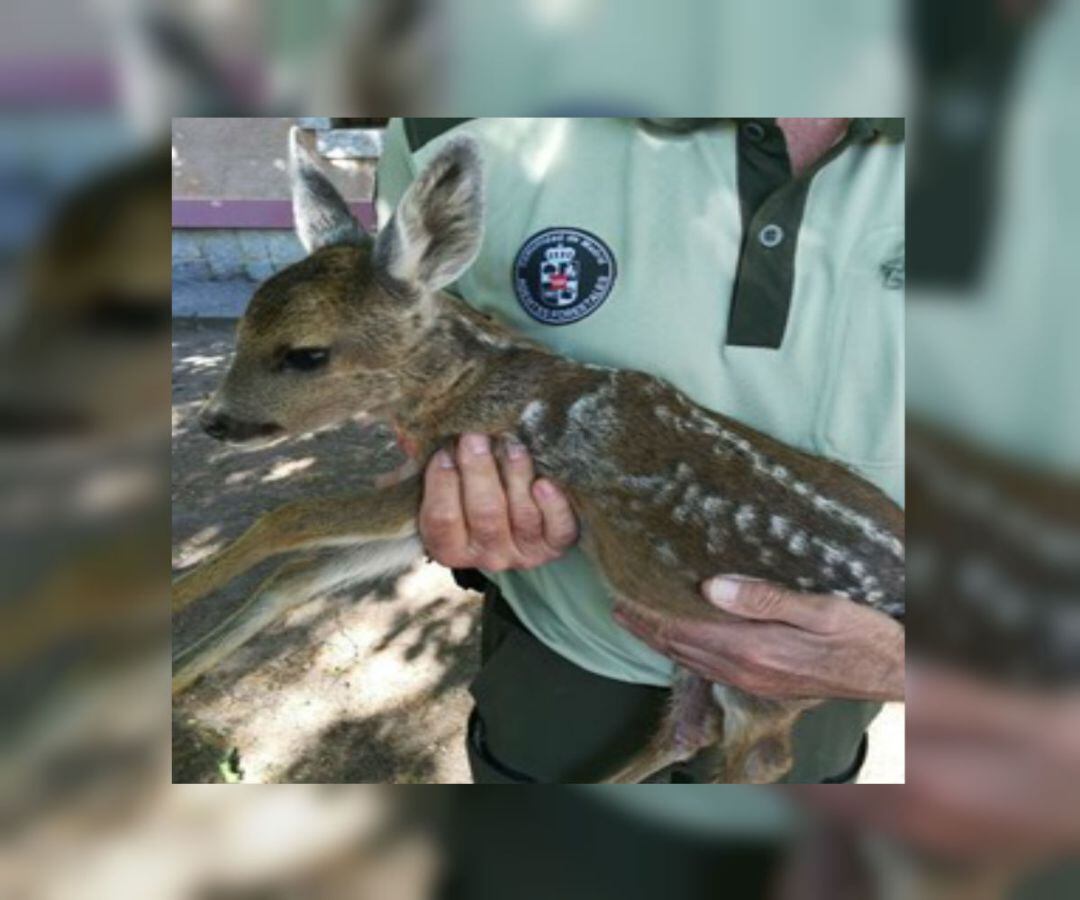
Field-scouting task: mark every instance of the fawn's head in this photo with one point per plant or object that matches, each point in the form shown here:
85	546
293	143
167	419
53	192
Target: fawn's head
326	338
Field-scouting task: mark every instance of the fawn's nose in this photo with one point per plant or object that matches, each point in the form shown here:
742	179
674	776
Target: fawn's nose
223	427
216	425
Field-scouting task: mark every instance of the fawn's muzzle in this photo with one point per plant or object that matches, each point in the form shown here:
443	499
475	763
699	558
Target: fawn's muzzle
222	427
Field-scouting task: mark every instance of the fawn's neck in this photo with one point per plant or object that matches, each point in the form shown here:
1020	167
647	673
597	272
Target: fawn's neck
469	374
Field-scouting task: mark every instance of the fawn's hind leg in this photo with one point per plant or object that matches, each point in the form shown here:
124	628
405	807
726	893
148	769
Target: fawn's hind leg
756	736
691	723
292	585
305	523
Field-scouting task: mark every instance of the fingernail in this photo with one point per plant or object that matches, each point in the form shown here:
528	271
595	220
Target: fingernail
444	460
515	449
477	444
725	589
545	489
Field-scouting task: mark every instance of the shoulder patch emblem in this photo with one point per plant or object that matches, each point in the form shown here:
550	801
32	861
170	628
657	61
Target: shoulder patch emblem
562	275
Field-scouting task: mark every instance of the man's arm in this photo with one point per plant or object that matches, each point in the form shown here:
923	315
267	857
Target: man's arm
781	643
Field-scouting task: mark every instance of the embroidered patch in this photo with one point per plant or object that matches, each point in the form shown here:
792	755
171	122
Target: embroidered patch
562	275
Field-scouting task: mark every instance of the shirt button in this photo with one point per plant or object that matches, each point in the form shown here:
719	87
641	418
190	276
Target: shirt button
754	131
770	235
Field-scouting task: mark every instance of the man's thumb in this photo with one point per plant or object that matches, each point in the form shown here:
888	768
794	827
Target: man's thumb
749	598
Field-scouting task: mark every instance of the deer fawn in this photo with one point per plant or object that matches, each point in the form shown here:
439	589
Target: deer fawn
668	493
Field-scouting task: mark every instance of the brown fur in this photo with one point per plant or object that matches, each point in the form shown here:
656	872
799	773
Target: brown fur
669	493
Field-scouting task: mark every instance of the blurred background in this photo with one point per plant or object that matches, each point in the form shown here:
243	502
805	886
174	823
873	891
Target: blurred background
90	92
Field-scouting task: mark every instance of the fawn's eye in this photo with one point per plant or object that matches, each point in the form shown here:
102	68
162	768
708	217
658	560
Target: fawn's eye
305	359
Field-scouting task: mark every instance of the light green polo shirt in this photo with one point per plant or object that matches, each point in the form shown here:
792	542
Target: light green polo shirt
824	374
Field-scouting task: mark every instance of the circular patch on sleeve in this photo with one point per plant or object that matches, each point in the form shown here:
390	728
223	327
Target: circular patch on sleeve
562	275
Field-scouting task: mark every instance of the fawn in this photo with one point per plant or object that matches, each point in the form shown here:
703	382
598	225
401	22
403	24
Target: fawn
668	493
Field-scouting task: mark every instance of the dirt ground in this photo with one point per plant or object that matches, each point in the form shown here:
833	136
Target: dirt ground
368	685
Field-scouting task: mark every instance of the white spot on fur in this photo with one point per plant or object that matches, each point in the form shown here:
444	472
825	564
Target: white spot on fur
485	337
865	525
779	527
533	413
667	553
656	488
745	517
716	539
832	555
713	506
591	416
798	544
781	474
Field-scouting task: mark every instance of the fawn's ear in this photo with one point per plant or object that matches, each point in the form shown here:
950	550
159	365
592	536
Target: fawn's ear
320	213
435	232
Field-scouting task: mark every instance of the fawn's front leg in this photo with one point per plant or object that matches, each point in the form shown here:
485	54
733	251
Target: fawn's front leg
388	513
292	585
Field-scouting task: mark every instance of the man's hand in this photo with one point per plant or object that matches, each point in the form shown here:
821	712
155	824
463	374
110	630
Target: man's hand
495	515
993	773
780	643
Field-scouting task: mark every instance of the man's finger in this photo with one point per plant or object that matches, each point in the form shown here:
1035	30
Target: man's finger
650	627
704	663
442	519
661	632
526	520
767	602
482	493
560	523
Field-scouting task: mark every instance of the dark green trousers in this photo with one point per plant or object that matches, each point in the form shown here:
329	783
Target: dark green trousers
561	844
539	719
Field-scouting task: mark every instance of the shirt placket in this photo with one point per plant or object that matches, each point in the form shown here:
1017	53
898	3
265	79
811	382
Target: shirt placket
772	203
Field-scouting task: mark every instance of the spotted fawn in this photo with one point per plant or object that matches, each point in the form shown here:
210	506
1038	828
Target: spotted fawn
668	493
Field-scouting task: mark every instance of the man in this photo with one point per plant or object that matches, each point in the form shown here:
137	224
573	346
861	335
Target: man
757	265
